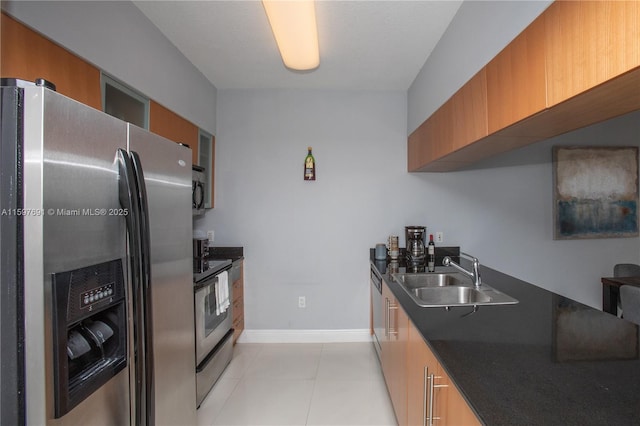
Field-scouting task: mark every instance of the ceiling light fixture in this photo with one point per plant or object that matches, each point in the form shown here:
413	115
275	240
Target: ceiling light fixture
293	23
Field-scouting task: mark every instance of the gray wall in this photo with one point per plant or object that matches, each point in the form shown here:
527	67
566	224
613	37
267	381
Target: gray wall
309	238
501	211
509	219
117	38
312	238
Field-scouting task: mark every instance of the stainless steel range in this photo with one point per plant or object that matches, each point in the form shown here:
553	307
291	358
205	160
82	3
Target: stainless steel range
213	321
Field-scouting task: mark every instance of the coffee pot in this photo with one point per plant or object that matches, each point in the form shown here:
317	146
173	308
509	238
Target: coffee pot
416	239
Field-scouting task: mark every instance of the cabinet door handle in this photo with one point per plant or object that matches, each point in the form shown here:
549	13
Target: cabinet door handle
430	409
386	317
424	397
432	386
394	330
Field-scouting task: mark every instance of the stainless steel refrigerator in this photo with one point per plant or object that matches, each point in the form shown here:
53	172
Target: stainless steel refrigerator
96	298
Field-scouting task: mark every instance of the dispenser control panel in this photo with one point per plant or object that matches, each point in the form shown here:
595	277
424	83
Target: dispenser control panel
85	290
96	294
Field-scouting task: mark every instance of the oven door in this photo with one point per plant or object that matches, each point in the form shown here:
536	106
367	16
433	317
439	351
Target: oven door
210	327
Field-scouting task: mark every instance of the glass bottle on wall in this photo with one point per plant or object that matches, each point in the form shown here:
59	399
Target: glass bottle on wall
309	166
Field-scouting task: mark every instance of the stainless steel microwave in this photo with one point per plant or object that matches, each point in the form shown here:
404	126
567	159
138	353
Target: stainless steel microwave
199	186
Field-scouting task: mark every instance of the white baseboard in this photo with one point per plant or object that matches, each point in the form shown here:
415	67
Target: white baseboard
305	336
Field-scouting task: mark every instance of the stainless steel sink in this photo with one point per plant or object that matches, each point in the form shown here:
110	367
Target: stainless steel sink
420	280
449	289
454	295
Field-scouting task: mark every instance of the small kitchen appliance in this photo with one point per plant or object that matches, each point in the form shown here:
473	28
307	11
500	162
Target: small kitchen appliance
198	187
200	247
415	238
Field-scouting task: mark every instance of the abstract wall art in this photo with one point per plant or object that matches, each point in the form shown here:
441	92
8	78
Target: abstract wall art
595	192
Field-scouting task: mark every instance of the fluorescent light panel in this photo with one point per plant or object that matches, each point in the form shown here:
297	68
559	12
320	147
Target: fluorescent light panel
294	27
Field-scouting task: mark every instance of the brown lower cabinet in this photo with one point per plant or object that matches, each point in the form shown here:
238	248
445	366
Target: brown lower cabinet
432	398
394	353
238	302
421	392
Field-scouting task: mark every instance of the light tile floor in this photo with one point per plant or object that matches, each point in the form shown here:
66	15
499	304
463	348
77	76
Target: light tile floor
300	384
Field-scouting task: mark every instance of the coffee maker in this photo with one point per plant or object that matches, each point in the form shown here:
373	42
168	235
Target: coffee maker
416	240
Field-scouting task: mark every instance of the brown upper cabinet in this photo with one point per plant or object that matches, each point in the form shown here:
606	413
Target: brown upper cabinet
170	125
589	43
516	83
469	111
27	55
458	122
577	64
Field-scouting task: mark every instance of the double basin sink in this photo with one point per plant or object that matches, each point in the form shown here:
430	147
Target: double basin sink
449	289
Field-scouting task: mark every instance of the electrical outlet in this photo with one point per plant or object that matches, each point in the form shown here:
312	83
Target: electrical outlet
439	237
302	302
210	235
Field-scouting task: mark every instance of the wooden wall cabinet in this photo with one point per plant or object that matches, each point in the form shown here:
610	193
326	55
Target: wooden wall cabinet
394	353
469	111
238	302
458	122
516	79
170	125
589	43
432	140
27	55
576	65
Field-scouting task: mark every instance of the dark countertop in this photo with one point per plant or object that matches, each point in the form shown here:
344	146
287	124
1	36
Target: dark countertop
233	253
547	360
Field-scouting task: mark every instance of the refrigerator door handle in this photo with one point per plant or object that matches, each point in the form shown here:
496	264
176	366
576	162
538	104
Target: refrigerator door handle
145	246
129	200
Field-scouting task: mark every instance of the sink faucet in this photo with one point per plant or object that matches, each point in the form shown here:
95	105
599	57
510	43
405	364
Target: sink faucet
474	274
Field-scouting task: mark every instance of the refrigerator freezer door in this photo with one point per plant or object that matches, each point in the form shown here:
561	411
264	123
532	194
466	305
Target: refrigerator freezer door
167	174
11	290
71	191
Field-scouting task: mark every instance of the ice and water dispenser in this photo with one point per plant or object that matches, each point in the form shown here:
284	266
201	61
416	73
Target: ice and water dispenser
89	331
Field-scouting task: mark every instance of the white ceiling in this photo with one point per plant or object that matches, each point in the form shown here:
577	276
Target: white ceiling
378	45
